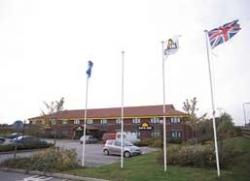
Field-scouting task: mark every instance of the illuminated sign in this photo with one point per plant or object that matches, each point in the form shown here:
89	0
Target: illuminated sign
145	126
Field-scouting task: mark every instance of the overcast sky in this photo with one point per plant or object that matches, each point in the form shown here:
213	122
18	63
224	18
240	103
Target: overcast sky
45	46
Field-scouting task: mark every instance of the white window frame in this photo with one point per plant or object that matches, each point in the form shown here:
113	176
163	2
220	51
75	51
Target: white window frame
175	120
155	120
64	121
53	122
76	121
136	120
90	121
176	134
118	121
103	121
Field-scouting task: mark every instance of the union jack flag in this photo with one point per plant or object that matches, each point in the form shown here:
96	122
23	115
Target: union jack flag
223	33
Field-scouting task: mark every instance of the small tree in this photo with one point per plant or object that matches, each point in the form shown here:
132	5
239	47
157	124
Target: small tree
226	126
190	107
52	107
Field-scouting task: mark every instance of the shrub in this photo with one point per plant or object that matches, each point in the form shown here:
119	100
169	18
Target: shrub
154	142
4	148
52	159
190	155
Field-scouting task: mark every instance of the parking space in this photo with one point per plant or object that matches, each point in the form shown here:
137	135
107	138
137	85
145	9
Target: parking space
93	153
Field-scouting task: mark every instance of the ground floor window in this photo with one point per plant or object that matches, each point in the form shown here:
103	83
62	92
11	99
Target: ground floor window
176	134
156	133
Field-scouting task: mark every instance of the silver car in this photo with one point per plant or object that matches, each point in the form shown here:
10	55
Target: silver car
114	147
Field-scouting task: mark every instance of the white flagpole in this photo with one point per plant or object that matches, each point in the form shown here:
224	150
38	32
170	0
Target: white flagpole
85	120
164	110
122	110
213	107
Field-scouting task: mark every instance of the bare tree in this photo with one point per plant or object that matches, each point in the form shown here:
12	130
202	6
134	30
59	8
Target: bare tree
52	107
190	107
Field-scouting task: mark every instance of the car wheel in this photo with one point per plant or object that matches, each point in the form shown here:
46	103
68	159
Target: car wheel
106	152
126	154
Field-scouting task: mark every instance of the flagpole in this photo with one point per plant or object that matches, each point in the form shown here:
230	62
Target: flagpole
164	111
85	120
213	107
122	111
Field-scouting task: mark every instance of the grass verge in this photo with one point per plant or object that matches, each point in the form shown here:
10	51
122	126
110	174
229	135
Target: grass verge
147	168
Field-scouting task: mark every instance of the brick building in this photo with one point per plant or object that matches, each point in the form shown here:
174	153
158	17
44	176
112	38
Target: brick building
145	121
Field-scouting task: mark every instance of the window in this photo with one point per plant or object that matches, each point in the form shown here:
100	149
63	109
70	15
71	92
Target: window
89	121
155	133
176	134
155	120
64	122
117	143
77	121
175	120
118	121
53	122
138	134
104	121
136	120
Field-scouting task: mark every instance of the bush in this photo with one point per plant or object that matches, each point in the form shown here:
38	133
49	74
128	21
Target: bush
154	142
190	155
175	140
54	159
48	160
4	148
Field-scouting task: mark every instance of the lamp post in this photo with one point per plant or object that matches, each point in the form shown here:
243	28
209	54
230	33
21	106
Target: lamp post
244	111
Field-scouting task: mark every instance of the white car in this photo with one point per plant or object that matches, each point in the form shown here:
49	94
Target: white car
114	147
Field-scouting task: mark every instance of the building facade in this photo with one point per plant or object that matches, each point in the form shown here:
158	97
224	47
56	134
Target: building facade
145	121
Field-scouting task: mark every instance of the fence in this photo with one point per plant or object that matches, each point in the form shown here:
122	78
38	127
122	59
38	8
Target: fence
245	131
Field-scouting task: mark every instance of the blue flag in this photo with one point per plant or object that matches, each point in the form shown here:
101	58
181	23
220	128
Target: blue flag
90	65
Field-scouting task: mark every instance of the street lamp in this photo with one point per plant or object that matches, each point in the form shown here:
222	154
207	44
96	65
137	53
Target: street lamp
244	112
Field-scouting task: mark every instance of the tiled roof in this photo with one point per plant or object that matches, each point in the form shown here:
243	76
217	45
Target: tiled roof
136	111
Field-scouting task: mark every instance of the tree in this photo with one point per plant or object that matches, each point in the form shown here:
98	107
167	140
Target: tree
52	107
190	107
226	126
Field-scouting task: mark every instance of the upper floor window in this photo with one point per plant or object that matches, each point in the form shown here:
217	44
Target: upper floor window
155	120
64	122
89	121
53	122
175	120
76	121
104	121
118	121
136	120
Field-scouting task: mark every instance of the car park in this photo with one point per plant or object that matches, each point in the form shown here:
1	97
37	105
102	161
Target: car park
113	147
2	140
89	139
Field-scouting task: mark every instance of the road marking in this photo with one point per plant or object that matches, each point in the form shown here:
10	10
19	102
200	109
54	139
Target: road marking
36	178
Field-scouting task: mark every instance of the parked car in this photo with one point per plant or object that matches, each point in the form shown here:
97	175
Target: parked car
28	140
114	147
13	135
89	139
2	140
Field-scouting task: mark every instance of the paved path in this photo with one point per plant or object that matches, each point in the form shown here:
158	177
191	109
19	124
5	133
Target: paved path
7	176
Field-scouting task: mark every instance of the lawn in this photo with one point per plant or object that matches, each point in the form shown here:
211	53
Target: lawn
147	168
